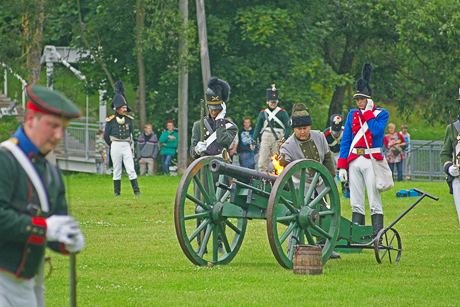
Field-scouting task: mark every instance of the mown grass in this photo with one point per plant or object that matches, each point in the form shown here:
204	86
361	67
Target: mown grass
132	256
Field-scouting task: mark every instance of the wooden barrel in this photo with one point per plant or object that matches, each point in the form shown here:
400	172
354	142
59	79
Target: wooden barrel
308	260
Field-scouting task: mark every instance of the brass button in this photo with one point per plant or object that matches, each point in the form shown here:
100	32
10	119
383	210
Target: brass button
35	230
28	228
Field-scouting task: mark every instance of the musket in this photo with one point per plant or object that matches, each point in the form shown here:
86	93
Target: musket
202	123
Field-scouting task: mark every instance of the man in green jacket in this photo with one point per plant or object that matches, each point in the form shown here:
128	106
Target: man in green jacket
273	129
168	142
33	208
450	159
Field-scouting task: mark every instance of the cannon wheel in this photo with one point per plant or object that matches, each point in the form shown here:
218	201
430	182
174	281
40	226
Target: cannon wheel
390	248
200	243
293	216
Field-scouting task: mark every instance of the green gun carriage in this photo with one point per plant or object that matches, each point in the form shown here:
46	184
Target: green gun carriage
211	224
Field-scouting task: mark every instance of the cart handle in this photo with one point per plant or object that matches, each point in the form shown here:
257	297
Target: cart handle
426	194
413	205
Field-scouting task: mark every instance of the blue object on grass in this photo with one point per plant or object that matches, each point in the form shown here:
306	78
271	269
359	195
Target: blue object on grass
408	193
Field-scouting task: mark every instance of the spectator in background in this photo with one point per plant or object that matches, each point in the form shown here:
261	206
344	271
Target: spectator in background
395	144
168	142
147	150
406	152
101	159
246	145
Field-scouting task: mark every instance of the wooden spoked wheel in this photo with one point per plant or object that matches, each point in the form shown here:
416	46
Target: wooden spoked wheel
387	246
298	214
204	235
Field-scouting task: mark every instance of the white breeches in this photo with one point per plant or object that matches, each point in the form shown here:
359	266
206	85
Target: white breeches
361	175
121	152
269	146
16	292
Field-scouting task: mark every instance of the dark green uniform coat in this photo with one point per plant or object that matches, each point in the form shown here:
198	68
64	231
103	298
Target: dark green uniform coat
23	228
225	133
448	148
115	129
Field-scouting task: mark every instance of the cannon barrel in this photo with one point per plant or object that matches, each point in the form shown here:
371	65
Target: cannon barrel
242	174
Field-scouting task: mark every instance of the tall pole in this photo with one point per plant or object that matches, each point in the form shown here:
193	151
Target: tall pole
183	93
203	36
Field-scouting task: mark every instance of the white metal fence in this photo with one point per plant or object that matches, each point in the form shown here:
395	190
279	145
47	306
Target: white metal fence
422	161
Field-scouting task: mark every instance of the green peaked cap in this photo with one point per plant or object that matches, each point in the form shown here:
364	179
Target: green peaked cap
44	100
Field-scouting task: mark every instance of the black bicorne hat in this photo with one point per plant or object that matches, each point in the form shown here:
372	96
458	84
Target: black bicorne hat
336	122
218	91
300	116
272	94
363	88
120	97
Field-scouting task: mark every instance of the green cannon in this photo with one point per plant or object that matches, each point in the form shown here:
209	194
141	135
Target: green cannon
211	224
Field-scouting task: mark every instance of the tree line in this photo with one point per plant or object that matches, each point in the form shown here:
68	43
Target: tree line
312	50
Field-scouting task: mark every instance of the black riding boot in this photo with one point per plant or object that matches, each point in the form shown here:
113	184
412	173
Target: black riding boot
135	187
358	218
377	224
117	187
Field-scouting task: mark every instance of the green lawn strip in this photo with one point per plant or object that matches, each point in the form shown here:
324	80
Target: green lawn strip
133	258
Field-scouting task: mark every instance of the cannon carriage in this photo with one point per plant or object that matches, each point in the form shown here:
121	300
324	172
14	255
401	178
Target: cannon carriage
211	221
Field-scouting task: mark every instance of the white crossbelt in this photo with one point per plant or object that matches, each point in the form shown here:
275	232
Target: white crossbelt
272	115
213	136
30	170
362	131
365	151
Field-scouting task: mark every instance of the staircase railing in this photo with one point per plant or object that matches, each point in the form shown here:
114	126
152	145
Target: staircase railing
24	83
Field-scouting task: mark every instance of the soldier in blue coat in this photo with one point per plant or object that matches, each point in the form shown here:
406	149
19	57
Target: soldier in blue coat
33	208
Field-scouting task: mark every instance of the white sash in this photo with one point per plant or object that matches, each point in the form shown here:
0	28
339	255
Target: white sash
213	136
30	170
362	131
272	115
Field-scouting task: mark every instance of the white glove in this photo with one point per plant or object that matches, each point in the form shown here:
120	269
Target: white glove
453	171
223	112
369	106
200	147
343	175
61	228
77	244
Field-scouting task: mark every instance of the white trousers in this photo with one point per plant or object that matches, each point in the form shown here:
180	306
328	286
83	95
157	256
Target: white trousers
121	152
16	292
361	175
269	146
456	190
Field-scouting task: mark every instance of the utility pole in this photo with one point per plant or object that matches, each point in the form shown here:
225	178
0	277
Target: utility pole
203	36
183	93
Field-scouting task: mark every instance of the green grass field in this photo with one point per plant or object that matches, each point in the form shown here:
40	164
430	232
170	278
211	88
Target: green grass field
132	256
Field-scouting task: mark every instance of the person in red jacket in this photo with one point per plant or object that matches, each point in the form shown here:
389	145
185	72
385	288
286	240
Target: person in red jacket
365	127
395	145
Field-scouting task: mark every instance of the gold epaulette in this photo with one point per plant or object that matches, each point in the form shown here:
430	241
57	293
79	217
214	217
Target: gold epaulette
109	118
129	116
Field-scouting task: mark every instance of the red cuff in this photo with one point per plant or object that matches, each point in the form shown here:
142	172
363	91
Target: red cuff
39	221
342	163
62	249
368	115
